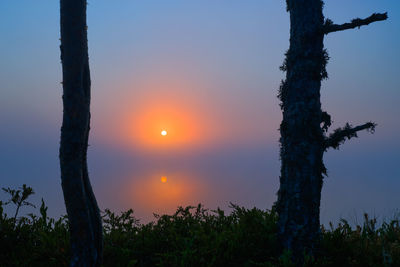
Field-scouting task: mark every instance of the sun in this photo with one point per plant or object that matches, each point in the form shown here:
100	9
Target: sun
164	179
164	133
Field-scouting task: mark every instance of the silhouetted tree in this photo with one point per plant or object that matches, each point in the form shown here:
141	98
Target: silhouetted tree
304	127
83	212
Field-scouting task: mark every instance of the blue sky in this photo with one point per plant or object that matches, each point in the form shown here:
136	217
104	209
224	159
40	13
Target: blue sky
209	69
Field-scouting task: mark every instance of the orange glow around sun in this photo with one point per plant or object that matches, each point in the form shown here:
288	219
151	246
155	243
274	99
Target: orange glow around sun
161	122
146	128
162	112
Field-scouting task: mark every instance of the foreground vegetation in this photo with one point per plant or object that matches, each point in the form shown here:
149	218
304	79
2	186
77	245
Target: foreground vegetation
192	236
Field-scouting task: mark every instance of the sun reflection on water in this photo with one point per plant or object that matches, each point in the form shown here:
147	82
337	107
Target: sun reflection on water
163	194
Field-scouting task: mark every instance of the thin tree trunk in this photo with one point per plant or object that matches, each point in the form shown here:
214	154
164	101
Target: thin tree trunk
83	212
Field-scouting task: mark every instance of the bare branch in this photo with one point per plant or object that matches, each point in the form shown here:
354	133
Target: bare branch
330	27
339	136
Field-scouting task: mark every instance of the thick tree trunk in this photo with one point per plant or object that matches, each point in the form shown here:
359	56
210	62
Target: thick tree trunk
302	137
83	212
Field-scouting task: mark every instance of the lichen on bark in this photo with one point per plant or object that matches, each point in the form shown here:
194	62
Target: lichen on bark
304	126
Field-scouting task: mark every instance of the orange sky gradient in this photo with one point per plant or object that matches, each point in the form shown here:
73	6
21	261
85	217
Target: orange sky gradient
208	73
181	104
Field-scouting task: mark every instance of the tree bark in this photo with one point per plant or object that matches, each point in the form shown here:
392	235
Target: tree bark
82	209
303	139
301	134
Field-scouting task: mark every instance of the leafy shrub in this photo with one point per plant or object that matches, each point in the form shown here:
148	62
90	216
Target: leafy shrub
32	240
192	236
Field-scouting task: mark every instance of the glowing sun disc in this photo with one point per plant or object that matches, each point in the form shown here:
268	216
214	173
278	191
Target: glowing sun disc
163	179
163	132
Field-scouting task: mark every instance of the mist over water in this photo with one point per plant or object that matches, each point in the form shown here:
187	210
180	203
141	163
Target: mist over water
244	175
204	176
206	71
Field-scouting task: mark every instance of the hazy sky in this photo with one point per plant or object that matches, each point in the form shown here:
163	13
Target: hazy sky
207	72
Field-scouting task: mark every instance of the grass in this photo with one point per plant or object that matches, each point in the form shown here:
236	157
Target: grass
192	236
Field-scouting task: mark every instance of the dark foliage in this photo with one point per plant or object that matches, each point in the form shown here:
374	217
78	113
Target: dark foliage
194	236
